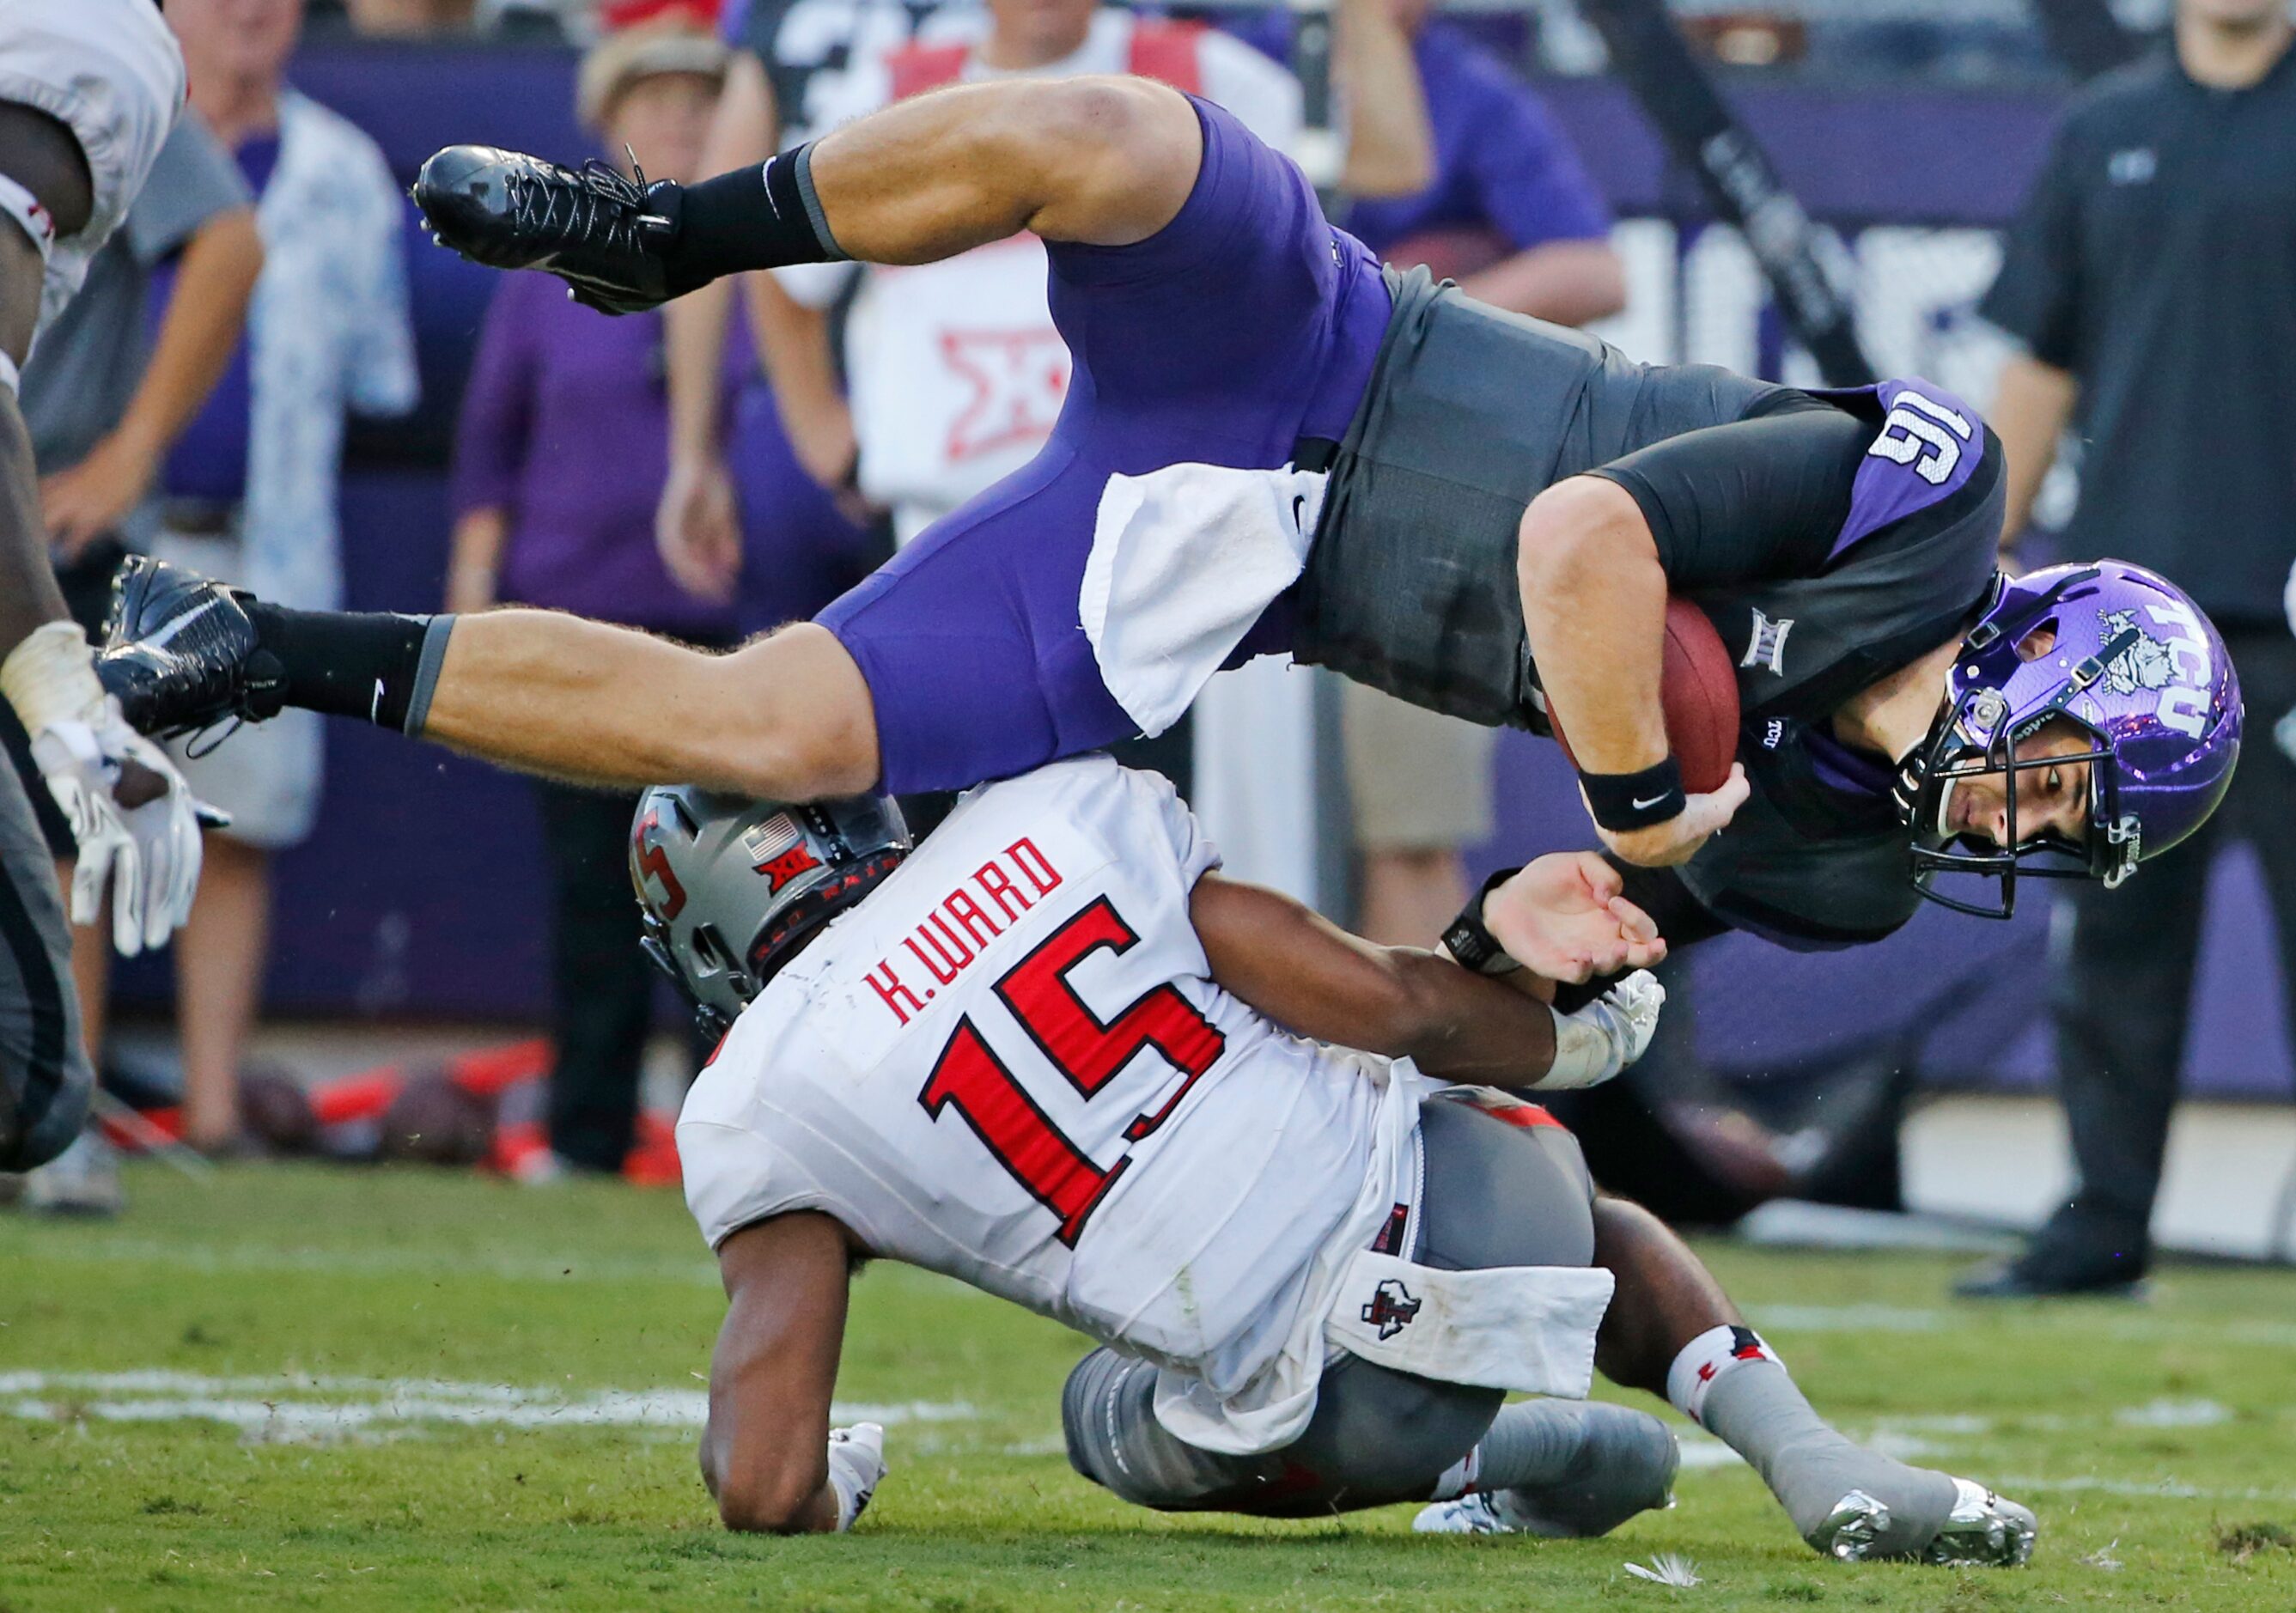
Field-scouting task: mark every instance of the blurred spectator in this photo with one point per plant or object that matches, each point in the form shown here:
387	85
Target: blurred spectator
404	19
1514	218
957	374
105	399
2151	282
249	492
955	371
1511	214
562	447
759	525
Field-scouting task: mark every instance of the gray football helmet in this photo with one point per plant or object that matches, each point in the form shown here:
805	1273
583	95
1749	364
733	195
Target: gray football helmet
729	887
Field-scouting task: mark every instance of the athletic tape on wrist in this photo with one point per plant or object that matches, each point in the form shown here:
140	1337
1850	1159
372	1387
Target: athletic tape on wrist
1623	801
50	677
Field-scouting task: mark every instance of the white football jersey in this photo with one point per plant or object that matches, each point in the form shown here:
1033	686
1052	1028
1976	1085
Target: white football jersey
1009	1064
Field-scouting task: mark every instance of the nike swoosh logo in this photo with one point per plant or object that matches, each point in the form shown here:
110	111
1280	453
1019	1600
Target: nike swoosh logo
167	634
1299	511
1646	806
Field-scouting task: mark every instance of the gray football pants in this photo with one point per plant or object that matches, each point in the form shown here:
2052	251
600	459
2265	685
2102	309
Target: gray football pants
1497	1194
44	1075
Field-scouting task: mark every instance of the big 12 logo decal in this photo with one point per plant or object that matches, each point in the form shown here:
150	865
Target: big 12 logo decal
776	848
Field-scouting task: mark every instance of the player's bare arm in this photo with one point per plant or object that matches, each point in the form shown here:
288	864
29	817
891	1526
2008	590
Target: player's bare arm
2030	407
696	524
39	153
765	1451
1318	980
134	826
1594	606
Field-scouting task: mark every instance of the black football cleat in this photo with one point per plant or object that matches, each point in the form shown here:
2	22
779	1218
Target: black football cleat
182	653
597	230
2050	1270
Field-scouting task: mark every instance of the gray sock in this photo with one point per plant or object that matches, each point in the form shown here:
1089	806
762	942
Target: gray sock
1755	1409
1575	1468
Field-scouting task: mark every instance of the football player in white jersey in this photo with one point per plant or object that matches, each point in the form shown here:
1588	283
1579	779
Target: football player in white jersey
88	91
1054	1053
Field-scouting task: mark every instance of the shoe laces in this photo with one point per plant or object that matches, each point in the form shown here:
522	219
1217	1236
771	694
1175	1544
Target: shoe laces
578	204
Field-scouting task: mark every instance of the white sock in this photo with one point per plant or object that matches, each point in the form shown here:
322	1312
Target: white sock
1706	1358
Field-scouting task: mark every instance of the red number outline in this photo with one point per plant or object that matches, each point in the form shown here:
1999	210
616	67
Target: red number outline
1088	1052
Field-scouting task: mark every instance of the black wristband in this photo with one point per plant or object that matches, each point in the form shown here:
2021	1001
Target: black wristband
1473	944
1622	801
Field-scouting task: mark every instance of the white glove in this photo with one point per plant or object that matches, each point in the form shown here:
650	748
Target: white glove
1594	1042
857	1462
148	854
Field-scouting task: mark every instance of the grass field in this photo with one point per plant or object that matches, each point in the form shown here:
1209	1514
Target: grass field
391	1389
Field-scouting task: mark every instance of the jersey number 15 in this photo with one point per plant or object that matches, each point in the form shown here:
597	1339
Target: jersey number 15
970	1079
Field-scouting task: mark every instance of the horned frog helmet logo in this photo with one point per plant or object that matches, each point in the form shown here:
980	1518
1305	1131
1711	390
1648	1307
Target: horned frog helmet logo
2145	664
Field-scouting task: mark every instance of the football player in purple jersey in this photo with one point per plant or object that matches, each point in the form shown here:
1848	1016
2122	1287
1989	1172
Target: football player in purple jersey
1271	445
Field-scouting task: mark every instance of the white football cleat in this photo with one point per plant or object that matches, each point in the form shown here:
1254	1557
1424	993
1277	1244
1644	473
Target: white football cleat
1480	1514
1624	1463
1983	1531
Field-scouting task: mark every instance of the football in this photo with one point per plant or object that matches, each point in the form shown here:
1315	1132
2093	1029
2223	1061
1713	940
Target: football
1699	688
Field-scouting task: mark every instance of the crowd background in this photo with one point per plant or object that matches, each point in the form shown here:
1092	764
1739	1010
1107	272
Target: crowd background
427	887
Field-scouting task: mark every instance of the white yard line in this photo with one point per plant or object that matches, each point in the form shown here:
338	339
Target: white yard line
295	1406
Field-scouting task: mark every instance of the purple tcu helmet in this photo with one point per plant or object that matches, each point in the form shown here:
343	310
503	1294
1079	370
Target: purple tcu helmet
2137	667
729	887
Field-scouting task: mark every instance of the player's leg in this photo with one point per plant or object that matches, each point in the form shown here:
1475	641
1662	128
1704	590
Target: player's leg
1672	1331
963	659
1103	160
1497	1194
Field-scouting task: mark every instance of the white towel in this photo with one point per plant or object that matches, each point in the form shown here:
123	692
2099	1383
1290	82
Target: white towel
1184	560
1527	1328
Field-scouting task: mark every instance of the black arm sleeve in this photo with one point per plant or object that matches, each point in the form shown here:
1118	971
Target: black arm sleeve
1755	498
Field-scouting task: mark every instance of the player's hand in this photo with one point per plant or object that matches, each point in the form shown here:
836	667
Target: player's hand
1563	918
1594	1042
856	1462
697	526
92	498
137	825
1679	839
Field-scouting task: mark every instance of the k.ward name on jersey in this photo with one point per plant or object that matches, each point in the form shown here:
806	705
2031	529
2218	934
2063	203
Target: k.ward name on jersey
959	926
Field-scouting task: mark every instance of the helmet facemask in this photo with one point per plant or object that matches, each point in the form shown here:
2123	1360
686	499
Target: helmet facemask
730	890
1975	739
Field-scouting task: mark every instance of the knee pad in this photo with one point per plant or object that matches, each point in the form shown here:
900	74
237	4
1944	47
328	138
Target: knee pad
1499	1192
1108	1418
